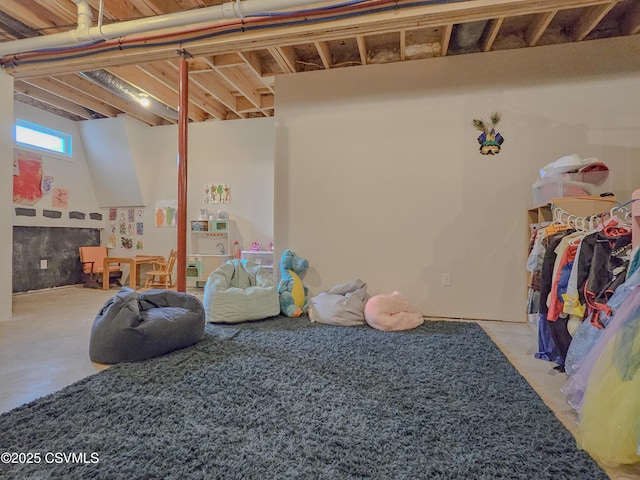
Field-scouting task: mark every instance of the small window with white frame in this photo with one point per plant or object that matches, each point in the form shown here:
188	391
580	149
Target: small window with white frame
44	139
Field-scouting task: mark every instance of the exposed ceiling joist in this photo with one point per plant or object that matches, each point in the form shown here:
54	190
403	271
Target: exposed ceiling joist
589	21
538	27
52	99
232	75
492	33
631	22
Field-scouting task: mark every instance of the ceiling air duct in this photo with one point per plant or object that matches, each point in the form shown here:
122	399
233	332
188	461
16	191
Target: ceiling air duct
465	37
129	92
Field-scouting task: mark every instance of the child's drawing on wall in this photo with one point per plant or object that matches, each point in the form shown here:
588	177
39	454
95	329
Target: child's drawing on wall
166	213
47	185
60	198
126	243
217	193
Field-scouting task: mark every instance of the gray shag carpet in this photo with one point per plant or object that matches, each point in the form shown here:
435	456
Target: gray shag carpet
286	399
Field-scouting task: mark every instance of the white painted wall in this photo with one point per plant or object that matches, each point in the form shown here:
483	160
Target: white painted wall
377	170
111	162
240	154
6	196
237	153
378	174
71	174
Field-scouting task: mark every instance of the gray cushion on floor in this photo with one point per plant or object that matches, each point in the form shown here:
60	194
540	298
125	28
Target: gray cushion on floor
135	326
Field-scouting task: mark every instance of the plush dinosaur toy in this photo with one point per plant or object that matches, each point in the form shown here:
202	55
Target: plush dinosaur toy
293	293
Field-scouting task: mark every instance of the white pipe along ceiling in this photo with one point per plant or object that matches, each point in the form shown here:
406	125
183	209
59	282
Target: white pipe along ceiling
86	33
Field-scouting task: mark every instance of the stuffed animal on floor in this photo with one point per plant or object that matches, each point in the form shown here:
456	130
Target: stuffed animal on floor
293	293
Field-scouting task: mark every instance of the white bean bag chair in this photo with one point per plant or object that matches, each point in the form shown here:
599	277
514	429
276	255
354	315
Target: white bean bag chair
238	291
341	305
392	312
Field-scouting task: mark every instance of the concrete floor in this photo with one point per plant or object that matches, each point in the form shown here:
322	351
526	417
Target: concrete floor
46	347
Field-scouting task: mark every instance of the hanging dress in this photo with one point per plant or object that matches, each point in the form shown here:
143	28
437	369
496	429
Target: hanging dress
609	426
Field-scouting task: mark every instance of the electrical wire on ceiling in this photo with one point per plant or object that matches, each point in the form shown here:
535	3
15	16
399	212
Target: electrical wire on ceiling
252	22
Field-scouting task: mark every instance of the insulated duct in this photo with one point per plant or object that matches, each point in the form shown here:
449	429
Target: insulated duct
129	92
466	36
85	33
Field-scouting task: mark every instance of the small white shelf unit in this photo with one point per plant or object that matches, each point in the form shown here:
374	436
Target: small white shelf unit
263	258
212	245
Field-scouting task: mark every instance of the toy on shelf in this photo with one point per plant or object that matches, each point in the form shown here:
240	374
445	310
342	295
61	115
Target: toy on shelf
255	246
293	293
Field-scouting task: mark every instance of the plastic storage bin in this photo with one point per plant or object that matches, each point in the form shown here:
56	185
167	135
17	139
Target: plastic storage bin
573	184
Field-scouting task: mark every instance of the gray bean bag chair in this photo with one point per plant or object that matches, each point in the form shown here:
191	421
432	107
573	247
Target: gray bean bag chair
135	326
238	291
341	305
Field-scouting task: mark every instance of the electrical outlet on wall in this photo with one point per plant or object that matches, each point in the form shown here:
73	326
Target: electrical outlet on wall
446	279
43	264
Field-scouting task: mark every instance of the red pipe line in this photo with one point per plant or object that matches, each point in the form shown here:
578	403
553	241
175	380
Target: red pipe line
181	220
7	59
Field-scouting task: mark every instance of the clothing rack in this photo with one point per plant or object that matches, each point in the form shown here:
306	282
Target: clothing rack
590	222
633	216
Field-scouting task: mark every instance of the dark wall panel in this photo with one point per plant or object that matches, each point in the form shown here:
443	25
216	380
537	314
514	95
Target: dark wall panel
59	246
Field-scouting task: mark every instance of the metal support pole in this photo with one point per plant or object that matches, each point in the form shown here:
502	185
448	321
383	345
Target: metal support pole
181	220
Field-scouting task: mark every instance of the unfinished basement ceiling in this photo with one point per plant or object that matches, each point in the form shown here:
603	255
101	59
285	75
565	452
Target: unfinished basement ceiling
233	63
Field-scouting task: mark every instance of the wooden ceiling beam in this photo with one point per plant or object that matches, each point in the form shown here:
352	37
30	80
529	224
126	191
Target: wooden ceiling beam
206	101
424	16
121	11
31	14
538	27
227	60
267	102
199	65
253	62
51	99
324	51
34	102
630	24
490	38
285	57
198	93
362	48
157	7
65	10
71	86
588	22
445	39
158	90
132	108
82	84
239	81
232	75
216	86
